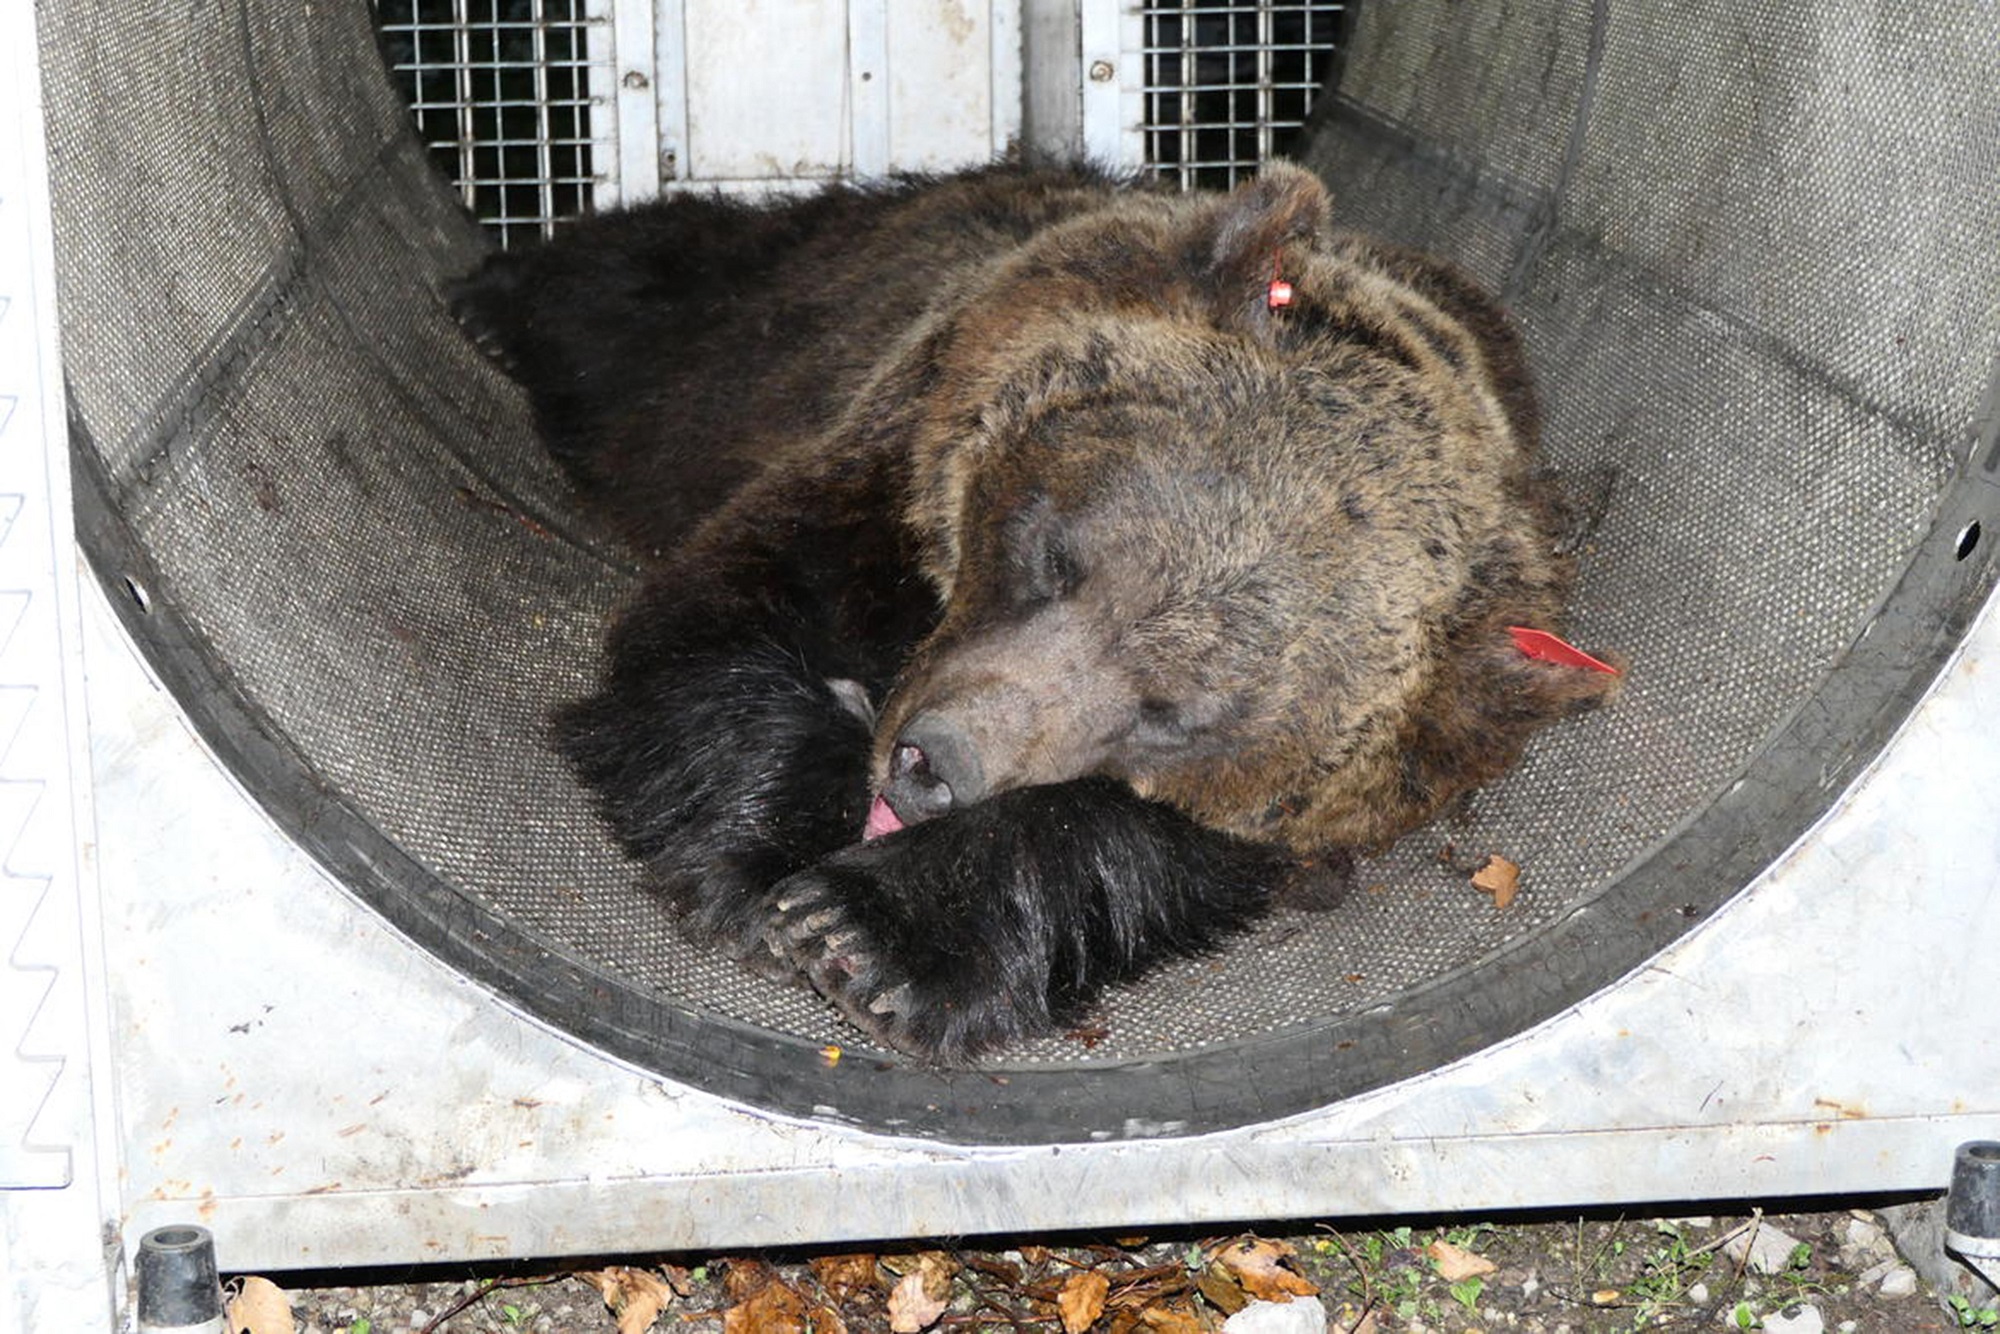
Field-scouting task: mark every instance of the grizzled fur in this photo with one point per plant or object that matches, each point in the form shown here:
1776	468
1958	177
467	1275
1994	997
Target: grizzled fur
1004	517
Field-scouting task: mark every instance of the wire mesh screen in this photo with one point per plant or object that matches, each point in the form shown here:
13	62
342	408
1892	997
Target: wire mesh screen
1229	83
501	94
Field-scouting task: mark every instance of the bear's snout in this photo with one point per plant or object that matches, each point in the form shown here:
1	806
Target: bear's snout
933	767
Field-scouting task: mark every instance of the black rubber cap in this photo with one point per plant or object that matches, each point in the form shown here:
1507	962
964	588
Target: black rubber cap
1973	1207
178	1285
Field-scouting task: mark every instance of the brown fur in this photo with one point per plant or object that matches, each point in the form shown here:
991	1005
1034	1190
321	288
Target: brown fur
1311	526
1008	503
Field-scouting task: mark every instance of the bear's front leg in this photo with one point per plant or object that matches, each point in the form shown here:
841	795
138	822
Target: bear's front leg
1009	918
723	763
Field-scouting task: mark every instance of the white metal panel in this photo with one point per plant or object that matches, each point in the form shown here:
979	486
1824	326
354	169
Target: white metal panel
57	1160
1007	85
1051	96
621	87
766	88
871	125
1102	44
940	79
786	93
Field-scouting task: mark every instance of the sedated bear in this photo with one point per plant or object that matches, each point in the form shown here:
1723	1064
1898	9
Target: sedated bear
1044	571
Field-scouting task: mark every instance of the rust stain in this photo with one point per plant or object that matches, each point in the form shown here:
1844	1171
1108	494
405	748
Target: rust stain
348	1132
1845	1111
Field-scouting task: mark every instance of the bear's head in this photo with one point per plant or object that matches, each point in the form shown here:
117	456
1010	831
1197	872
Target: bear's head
1253	552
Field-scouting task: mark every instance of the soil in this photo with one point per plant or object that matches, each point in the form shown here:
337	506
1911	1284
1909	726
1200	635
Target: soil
1831	1270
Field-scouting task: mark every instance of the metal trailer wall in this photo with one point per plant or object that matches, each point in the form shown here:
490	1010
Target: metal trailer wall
1753	250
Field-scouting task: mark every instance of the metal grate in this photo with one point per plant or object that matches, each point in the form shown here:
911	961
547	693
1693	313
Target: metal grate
1228	82
501	91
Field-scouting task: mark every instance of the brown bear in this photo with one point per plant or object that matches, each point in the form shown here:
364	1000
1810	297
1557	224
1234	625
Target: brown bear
1043	568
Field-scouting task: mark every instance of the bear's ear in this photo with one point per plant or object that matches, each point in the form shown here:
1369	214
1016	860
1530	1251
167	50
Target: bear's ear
1247	237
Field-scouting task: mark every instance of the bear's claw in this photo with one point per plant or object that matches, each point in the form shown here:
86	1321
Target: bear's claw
834	955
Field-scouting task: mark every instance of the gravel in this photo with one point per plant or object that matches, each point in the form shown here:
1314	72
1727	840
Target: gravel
1794	1273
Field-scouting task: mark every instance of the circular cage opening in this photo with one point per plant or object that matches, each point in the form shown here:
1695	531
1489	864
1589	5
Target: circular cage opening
1751	245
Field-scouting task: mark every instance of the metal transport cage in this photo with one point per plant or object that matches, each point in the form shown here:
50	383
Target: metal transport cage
349	973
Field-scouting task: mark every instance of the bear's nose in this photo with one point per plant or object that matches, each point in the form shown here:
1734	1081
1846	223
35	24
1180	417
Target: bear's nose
932	768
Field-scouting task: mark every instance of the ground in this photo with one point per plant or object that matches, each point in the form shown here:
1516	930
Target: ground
1599	1273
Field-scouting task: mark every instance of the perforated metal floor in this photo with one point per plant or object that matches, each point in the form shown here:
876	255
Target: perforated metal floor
1753	247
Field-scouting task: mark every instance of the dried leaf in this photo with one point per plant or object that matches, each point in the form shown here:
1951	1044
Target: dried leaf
743	1279
260	1307
774	1308
1498	877
844	1276
1138	1288
1221	1289
1082	1300
635	1296
1004	1272
922	1293
1036	1255
911	1307
1455	1264
1176	1318
1261	1268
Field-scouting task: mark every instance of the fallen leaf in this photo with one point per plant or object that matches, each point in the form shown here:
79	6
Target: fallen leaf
775	1308
1455	1264
1006	1273
844	1276
911	1308
635	1296
1035	1255
1134	1289
1221	1289
922	1293
1261	1268
1082	1300
1498	877
1173	1319
260	1307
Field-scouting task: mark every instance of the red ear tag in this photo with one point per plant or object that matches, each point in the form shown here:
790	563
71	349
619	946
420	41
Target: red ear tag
1545	647
1279	294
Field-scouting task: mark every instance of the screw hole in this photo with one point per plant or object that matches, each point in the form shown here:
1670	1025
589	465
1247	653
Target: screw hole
1968	538
137	592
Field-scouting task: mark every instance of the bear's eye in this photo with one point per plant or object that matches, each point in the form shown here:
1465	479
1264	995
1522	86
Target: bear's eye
1060	573
1049	570
1161	722
1041	563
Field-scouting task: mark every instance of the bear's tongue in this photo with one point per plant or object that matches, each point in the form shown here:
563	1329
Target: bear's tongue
881	820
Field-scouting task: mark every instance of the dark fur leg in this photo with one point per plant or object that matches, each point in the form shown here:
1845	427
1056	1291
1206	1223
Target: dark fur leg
722	770
1008	919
